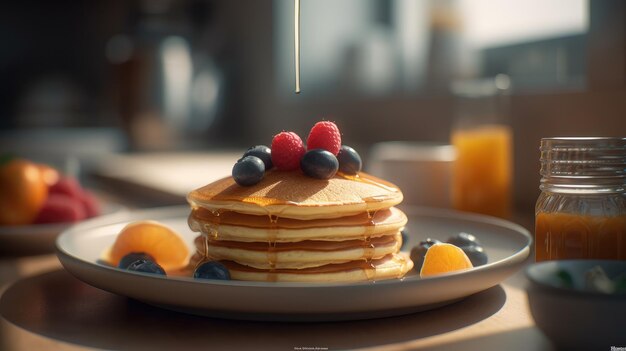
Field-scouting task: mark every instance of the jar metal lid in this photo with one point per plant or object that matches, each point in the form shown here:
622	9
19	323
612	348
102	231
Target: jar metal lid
584	157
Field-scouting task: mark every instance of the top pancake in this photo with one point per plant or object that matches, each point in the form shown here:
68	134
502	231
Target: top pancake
295	195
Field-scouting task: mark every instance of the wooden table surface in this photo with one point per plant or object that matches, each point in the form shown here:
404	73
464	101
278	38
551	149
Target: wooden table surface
45	308
42	307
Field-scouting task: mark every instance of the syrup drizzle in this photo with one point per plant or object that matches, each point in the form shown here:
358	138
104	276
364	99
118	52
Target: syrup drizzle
296	42
369	268
230	218
386	242
213	227
404	263
367	264
367	180
368	247
272	232
264	201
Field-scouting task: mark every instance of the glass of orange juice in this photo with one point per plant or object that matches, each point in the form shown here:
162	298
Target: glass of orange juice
483	140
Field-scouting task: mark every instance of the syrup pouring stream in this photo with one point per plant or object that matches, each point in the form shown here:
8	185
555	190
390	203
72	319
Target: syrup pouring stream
296	42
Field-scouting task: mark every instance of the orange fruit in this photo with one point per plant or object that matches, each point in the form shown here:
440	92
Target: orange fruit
443	258
50	175
23	190
165	245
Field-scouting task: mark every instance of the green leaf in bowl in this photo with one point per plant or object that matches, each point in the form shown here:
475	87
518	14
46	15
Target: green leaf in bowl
564	279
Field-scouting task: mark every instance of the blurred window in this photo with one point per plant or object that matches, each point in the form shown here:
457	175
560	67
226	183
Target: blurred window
491	23
376	47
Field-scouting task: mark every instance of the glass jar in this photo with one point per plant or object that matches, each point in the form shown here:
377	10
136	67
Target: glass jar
581	212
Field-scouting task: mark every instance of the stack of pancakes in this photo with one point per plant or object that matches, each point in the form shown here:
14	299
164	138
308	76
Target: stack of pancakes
290	227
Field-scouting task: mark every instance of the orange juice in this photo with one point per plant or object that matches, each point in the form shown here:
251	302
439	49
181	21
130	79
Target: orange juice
571	236
482	171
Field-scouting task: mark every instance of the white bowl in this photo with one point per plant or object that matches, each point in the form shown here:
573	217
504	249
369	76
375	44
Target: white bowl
574	318
422	170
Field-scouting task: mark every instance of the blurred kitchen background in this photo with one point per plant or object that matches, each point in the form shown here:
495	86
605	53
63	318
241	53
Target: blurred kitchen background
93	84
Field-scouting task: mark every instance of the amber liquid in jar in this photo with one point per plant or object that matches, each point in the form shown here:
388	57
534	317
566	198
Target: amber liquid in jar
571	236
581	212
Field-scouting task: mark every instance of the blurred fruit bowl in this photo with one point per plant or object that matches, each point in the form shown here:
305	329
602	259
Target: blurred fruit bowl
567	306
37	239
37	202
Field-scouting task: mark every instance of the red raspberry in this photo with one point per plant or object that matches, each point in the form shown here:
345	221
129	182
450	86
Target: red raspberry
325	135
90	203
68	186
287	150
61	208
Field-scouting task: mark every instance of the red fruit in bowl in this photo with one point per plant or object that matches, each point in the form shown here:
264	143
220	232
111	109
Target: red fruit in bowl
68	186
90	203
59	208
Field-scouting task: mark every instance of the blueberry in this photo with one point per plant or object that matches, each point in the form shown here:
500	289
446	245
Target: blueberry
463	239
349	160
428	243
248	171
319	163
211	270
419	251
146	266
476	254
263	152
132	257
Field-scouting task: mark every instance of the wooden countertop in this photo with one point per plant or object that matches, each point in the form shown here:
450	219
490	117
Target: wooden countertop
45	308
42	307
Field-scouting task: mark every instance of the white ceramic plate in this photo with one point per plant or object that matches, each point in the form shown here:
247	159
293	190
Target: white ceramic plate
36	239
507	245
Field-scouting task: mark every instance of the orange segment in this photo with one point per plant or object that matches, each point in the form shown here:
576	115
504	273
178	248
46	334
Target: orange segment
166	246
443	258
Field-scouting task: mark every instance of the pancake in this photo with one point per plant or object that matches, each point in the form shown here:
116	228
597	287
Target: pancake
248	228
298	255
293	228
388	267
295	195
